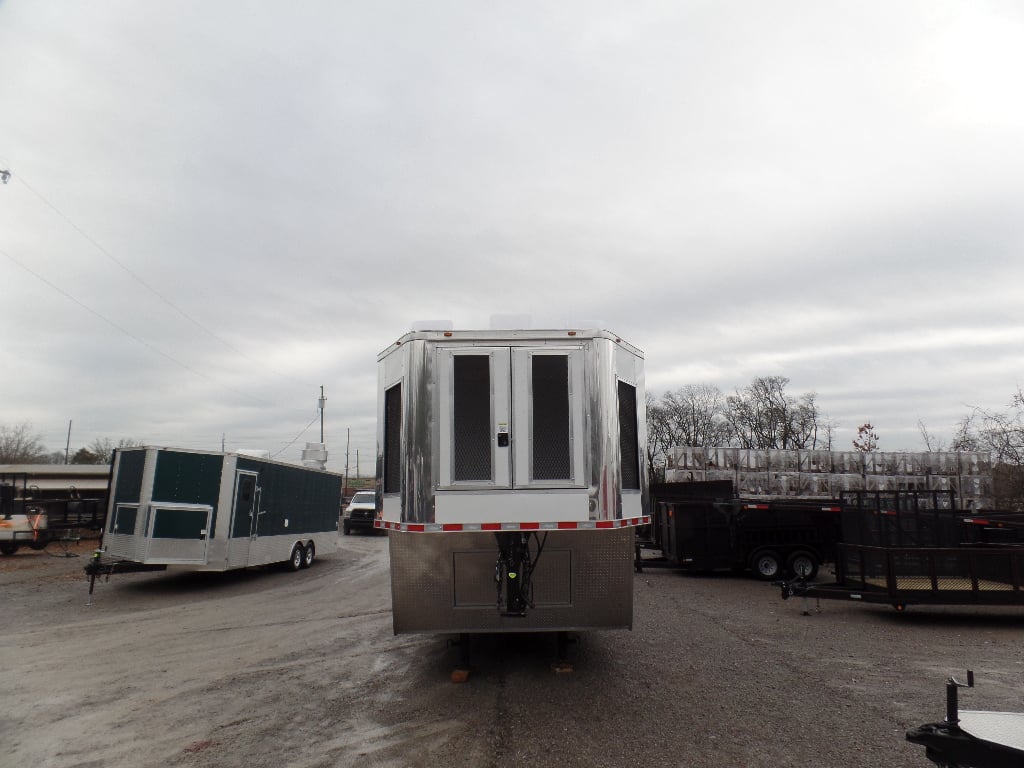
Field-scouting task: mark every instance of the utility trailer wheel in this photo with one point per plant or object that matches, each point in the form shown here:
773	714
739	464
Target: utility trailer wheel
309	556
803	564
298	557
8	547
766	565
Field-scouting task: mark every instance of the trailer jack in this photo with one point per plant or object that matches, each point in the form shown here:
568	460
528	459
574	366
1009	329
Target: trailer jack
513	572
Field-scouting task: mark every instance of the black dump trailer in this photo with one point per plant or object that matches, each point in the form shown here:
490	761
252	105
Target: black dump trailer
915	547
704	526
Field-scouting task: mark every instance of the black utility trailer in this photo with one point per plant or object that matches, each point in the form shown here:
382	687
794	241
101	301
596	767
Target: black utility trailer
703	526
915	547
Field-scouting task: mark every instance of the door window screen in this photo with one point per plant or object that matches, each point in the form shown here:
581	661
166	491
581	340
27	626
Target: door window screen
392	439
629	448
552	428
471	418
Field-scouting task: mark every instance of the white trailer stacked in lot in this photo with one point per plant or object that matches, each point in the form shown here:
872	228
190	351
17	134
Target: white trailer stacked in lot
512	474
207	511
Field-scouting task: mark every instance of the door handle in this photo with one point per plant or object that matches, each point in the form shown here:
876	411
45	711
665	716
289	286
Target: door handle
503	439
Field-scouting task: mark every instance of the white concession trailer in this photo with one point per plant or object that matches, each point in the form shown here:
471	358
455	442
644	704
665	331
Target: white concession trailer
511	477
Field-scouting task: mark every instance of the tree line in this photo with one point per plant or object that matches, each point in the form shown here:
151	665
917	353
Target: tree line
765	415
21	444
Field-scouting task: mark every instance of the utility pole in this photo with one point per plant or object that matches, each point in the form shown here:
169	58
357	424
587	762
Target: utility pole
320	404
347	435
67	448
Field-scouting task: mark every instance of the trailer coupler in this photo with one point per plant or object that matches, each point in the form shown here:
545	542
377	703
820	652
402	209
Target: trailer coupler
513	572
100	566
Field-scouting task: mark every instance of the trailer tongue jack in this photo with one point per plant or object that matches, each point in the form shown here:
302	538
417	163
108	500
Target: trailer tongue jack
513	572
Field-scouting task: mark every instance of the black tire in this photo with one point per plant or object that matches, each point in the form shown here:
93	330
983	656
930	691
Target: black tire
37	545
803	564
766	565
8	547
298	557
346	528
309	555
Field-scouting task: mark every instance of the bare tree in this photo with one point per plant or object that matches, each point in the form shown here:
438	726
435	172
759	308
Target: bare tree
103	448
696	415
866	440
19	444
763	416
659	438
1001	433
931	442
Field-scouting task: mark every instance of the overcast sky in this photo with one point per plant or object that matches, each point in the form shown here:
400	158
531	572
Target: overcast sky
217	207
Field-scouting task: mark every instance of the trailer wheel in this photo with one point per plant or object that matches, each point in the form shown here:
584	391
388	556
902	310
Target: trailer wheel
346	528
310	555
8	547
766	565
298	557
803	564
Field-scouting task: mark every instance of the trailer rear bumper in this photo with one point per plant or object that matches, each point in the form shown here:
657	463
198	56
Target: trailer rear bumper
446	583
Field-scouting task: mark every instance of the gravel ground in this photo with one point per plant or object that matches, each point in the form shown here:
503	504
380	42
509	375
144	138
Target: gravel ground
271	668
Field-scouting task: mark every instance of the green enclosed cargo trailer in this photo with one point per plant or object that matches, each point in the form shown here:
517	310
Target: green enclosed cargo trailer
208	511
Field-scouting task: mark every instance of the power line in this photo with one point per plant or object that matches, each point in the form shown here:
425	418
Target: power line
129	271
296	437
125	331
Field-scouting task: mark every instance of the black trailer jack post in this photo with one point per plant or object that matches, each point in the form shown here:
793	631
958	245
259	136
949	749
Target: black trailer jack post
513	571
972	739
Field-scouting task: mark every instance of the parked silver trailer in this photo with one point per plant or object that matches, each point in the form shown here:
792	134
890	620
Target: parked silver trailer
208	511
511	476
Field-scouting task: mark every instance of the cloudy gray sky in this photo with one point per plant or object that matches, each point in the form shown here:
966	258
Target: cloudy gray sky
217	207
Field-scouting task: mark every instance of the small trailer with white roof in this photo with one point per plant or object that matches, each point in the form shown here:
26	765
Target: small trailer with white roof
511	477
208	511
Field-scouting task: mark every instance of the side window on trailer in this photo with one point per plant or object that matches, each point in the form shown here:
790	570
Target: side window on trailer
552	425
392	439
629	448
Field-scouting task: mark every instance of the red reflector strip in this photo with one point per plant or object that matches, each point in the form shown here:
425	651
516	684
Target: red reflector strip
562	525
975	521
831	509
755	506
